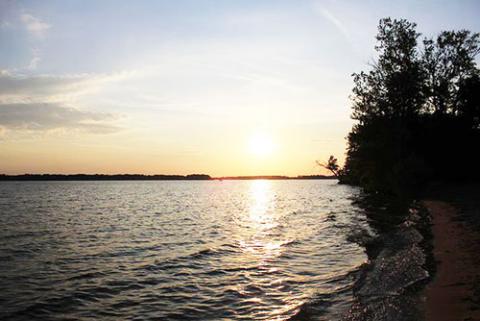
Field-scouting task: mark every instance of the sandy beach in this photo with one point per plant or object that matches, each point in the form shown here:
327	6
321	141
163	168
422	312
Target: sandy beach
453	293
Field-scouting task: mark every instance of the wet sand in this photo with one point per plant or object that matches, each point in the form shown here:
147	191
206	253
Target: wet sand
453	294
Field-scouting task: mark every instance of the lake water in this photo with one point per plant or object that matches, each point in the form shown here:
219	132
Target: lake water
178	250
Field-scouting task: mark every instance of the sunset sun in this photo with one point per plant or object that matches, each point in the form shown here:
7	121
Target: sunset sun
261	145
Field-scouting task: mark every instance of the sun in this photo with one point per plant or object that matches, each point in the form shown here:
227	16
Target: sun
261	145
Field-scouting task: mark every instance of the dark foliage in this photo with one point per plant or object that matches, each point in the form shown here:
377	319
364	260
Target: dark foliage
102	177
417	111
331	165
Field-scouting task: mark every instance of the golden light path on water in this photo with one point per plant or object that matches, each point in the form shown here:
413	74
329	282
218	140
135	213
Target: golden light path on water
265	245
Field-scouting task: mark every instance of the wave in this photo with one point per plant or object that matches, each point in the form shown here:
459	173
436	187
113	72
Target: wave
388	287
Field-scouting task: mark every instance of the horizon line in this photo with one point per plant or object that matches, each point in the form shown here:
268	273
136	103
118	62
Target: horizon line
79	176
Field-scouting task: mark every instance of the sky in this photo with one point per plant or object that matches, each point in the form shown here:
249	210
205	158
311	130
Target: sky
222	87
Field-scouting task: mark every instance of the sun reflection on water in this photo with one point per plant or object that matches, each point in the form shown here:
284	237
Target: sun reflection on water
261	222
263	239
261	198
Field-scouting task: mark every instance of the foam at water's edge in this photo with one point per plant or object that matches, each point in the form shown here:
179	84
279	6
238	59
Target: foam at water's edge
389	286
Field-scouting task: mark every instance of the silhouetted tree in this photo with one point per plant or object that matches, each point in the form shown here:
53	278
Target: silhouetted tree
414	110
331	165
468	101
394	86
448	63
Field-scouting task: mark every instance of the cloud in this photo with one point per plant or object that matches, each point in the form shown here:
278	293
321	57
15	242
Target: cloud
5	24
16	88
327	14
35	60
37	116
34	25
47	102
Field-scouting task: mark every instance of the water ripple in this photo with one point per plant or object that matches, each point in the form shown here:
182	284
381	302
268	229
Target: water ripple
254	250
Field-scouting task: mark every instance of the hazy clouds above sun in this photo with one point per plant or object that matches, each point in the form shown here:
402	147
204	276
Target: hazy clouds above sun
180	86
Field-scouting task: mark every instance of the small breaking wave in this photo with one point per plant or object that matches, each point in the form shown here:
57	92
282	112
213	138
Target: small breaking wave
388	286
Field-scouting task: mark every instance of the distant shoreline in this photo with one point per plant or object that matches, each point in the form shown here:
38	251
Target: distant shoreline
140	177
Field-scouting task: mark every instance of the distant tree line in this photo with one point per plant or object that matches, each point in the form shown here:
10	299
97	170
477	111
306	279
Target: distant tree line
417	111
140	177
101	177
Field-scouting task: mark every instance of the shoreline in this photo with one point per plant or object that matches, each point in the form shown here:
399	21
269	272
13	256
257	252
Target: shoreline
427	267
450	295
390	285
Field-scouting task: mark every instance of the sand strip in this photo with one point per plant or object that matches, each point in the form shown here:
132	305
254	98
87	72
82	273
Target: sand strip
452	293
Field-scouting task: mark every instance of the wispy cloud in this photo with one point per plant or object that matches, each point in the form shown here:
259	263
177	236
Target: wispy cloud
332	18
47	102
5	24
34	25
35	59
37	116
17	88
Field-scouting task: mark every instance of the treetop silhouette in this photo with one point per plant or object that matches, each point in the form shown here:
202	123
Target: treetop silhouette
417	111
